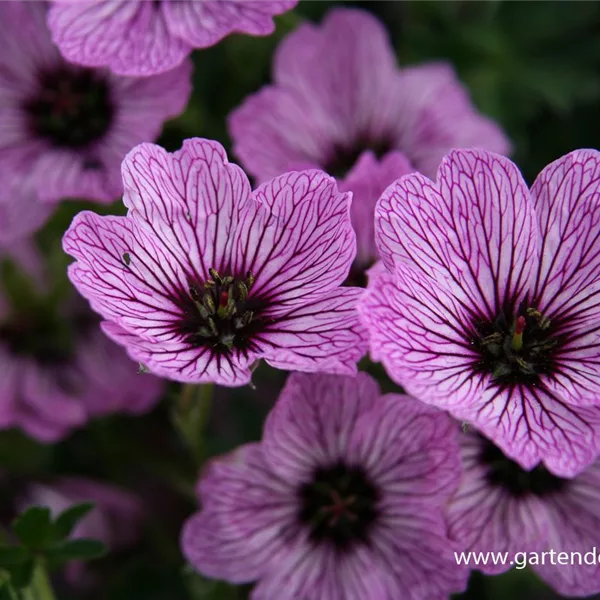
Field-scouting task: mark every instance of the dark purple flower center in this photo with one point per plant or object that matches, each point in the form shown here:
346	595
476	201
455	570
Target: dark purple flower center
510	476
72	107
45	338
339	506
516	350
221	314
342	158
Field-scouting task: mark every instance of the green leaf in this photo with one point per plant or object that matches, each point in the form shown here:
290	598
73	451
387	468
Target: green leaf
80	549
12	555
67	520
22	574
34	526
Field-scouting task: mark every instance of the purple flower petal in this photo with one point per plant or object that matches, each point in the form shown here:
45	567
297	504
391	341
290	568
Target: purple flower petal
321	335
567	204
132	38
474	230
238	535
296	239
367	180
416	329
192	199
310	425
203	24
146	38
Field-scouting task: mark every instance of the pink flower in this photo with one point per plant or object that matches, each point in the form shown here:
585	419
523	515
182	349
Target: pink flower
65	129
204	277
144	38
500	507
341	500
60	371
488	302
337	95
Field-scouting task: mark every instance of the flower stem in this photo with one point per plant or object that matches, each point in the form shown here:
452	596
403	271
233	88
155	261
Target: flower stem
190	417
40	587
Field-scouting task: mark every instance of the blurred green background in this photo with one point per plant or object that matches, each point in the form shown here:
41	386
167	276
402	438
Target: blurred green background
533	66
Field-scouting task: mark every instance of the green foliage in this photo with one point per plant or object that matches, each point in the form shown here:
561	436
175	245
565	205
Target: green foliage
43	541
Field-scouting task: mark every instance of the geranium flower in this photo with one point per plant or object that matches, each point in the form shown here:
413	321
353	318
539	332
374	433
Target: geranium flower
340	103
144	38
499	507
488	306
204	277
66	129
338	92
341	500
59	370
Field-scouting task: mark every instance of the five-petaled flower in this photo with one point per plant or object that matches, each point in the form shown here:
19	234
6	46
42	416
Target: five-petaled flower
487	305
550	521
143	38
59	370
340	103
341	500
203	277
65	128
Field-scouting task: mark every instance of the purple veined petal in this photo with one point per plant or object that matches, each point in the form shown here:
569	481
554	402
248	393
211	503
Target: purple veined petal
576	374
428	128
296	238
203	24
125	275
483	518
306	572
566	195
191	199
417	330
410	449
313	422
323	335
340	71
574	520
132	38
422	555
367	180
532	426
273	132
473	231
238	535
181	362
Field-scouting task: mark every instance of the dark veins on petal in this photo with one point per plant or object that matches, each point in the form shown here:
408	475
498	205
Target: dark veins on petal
339	506
517	349
72	107
221	313
342	158
505	473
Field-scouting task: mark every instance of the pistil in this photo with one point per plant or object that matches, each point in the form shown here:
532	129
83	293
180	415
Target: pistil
517	341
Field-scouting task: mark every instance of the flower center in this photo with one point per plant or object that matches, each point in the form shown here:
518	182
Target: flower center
72	107
223	313
505	473
516	351
41	337
342	158
339	506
